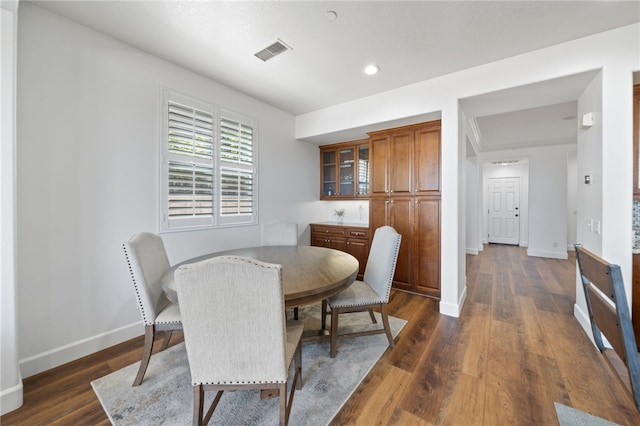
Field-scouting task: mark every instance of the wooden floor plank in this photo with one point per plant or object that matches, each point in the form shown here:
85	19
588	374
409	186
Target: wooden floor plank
474	341
530	331
464	401
383	391
426	388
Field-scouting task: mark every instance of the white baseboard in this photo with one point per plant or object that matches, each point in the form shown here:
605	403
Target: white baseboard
53	358
453	310
549	254
11	399
583	320
472	251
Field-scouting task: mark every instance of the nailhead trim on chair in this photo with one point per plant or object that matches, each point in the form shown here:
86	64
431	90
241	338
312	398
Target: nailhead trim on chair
239	383
394	267
136	287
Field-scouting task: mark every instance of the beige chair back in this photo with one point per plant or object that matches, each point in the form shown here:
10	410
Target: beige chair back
148	261
279	234
233	320
381	264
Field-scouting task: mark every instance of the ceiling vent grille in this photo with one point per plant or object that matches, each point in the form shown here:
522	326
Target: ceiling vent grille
505	162
273	50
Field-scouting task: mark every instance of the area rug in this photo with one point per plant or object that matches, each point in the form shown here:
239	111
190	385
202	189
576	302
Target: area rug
166	395
568	416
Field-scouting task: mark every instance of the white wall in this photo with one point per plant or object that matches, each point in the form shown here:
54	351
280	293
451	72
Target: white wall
589	197
10	379
617	52
88	110
572	201
474	196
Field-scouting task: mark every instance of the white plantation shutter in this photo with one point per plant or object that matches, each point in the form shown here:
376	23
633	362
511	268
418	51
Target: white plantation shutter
236	169
207	171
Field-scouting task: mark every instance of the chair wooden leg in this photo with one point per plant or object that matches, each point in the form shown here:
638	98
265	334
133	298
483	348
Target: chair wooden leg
149	337
167	338
298	366
198	405
212	407
295	313
373	317
334	332
385	323
284	415
323	314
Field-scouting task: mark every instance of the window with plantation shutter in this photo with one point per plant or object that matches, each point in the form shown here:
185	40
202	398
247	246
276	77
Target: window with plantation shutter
236	166
208	173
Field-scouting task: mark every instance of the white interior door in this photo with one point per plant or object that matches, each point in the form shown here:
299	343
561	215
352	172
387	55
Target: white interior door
504	210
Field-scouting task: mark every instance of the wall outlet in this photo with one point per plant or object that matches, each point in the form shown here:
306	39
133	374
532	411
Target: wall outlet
596	226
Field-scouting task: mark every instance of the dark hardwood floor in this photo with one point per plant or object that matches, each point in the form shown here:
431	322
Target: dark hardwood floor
515	350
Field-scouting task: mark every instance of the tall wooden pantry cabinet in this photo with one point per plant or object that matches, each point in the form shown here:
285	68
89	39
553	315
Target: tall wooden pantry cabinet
405	193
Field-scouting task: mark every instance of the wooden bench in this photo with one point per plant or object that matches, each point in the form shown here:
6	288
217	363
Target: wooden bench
610	317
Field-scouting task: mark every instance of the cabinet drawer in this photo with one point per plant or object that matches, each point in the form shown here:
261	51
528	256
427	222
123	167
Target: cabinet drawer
362	234
331	231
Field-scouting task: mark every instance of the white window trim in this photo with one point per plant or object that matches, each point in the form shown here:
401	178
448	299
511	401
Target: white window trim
216	220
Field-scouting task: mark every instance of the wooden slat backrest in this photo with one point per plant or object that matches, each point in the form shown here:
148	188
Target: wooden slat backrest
609	313
606	318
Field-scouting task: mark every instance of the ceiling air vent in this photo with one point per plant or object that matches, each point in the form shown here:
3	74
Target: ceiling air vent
505	162
275	49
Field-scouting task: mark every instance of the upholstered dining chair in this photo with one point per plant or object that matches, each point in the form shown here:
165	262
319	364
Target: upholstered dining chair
147	260
372	292
278	233
227	351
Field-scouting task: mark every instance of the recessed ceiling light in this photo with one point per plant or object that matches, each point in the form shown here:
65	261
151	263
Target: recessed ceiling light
371	69
330	15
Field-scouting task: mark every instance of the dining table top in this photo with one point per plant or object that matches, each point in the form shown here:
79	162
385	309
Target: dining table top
309	273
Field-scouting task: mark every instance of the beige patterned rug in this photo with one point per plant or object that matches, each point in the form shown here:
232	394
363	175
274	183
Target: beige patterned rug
166	395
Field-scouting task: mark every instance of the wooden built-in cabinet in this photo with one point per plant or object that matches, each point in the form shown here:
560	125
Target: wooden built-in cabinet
635	283
636	141
405	194
635	298
344	170
348	238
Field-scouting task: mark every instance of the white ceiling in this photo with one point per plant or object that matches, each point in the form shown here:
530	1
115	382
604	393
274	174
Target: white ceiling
411	41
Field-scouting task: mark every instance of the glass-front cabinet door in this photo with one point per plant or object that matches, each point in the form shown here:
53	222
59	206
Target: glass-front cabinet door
362	189
347	171
344	170
328	172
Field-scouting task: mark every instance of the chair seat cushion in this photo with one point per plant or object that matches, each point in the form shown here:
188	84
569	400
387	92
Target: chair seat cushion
357	294
170	313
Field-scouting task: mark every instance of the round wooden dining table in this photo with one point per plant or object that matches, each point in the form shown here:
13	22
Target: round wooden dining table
309	274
